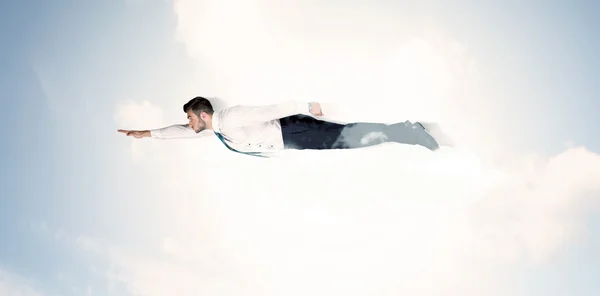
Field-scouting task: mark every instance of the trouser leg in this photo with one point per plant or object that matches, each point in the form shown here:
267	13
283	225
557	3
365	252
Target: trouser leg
305	132
362	134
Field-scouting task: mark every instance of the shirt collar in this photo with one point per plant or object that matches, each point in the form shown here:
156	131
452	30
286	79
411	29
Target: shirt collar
216	122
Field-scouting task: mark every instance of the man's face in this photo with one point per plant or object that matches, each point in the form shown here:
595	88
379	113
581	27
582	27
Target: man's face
194	122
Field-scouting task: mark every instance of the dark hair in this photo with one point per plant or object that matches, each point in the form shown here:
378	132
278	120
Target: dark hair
198	105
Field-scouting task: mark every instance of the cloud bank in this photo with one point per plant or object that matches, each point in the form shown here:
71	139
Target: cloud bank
15	285
387	220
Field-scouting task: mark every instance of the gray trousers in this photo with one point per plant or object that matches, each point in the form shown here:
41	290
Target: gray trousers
306	132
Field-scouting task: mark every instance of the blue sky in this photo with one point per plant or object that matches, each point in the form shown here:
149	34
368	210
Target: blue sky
67	175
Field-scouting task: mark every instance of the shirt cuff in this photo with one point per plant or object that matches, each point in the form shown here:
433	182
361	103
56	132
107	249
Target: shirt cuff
155	133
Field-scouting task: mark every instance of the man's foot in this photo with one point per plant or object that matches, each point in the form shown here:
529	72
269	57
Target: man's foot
413	134
436	132
428	141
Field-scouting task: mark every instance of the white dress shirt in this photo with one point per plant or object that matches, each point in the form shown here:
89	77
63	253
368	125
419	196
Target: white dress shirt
244	128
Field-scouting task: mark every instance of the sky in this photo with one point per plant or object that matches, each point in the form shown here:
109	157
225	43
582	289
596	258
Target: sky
512	210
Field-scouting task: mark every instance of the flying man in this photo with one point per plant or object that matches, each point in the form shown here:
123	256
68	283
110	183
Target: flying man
263	130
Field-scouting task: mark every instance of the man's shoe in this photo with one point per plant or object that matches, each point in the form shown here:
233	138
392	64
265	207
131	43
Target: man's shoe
413	134
436	132
428	141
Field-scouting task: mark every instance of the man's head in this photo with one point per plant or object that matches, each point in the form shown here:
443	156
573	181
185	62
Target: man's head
199	111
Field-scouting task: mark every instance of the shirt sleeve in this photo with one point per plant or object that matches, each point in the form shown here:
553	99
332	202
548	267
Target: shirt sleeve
177	131
244	115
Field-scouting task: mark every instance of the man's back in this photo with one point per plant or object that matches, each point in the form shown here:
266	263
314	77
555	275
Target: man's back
255	128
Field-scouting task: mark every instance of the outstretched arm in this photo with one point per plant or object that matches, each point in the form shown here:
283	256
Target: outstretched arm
176	131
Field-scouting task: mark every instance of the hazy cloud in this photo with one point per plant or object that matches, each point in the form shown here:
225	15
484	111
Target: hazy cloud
387	220
15	285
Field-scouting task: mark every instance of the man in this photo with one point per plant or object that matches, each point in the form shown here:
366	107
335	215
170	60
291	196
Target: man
261	130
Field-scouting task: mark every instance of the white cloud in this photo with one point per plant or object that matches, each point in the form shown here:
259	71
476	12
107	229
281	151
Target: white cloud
138	115
261	53
360	231
15	285
387	220
544	211
364	61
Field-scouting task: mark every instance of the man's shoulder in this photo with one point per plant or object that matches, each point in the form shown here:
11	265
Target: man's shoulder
231	111
223	116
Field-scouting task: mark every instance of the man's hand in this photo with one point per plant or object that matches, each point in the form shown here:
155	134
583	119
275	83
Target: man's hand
315	109
136	134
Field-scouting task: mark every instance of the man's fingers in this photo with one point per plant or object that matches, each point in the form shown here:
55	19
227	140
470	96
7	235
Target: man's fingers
128	132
